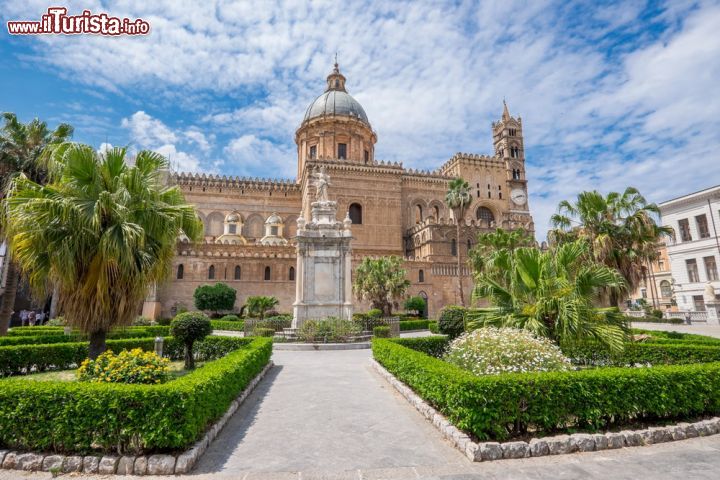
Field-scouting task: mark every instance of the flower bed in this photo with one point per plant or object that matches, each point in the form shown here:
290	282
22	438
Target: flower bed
504	406
84	417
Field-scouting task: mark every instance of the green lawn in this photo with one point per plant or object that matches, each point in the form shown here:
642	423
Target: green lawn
176	371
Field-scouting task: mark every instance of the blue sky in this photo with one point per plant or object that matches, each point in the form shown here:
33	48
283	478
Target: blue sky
611	93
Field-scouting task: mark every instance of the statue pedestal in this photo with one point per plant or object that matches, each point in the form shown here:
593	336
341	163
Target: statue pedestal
323	284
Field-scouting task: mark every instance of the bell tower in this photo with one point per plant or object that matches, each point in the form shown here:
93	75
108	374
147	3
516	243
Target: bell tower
508	145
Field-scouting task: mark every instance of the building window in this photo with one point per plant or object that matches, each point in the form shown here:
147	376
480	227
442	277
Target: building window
512	132
238	272
291	274
665	289
500	195
692	270
661	265
469	244
702	226
267	273
418	214
211	272
313	151
685	230
180	271
484	213
342	151
367	156
232	229
699	303
355	212
436	212
489	195
421	276
711	269
643	293
274	230
453	247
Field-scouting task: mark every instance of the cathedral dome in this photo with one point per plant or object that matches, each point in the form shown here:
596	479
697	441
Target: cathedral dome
336	101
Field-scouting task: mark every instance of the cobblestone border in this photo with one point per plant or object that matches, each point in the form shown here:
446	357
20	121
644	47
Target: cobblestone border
556	445
128	465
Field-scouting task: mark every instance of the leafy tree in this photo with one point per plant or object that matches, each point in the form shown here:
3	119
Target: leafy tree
551	294
21	148
458	198
415	304
101	230
489	244
215	297
190	327
259	305
620	229
381	281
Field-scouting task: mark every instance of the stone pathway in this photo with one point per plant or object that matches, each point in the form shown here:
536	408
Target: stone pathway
329	415
699	329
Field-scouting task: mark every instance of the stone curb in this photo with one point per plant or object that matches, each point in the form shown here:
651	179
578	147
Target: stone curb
557	445
129	465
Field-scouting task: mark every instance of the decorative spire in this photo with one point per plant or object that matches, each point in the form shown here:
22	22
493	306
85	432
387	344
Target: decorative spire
506	113
336	80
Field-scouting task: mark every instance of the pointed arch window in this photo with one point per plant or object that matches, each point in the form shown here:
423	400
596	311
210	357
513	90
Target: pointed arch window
267	273
238	272
418	214
291	274
453	247
421	276
211	272
355	212
180	271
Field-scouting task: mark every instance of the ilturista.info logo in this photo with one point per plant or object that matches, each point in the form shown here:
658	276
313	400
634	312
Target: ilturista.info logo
57	22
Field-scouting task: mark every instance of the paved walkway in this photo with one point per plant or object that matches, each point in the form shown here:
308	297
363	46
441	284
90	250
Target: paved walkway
329	415
699	329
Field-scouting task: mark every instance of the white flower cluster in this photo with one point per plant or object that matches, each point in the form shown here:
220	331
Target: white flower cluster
490	351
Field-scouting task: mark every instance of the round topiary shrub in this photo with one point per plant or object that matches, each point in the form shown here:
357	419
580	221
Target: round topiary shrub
230	318
134	366
452	321
374	313
490	351
188	328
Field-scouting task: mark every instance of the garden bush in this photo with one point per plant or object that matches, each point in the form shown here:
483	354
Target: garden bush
142	322
489	351
374	313
224	325
381	332
651	319
502	406
643	353
55	322
84	417
214	297
435	346
127	366
452	321
263	332
329	330
433	327
188	328
230	318
278	323
406	325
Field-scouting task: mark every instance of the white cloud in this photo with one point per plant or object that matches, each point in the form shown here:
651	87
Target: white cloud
624	93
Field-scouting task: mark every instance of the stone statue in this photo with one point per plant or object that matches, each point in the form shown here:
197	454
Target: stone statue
321	183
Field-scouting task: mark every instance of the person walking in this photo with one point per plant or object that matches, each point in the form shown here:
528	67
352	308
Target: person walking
687	318
23	317
31	318
40	317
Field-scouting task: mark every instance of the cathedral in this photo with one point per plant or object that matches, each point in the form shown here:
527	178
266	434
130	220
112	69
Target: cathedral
250	223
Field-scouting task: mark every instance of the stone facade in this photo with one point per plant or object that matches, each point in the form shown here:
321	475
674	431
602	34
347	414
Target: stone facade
394	210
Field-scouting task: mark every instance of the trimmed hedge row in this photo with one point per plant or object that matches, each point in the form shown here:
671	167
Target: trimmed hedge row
434	346
665	353
81	417
127	332
502	406
413	325
433	327
20	359
53	337
685	337
228	325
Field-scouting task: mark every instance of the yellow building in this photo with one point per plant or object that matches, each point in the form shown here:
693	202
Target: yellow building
250	223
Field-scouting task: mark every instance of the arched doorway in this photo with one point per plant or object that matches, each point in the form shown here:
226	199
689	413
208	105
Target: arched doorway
424	297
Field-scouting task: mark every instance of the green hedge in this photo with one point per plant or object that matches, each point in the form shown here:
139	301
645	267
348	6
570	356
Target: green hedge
413	325
651	319
652	352
433	327
688	337
381	332
228	325
434	346
60	337
127	332
20	359
82	417
502	406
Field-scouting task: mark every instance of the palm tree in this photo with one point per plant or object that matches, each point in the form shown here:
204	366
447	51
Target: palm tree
620	229
552	294
101	230
21	146
260	305
458	198
492	243
381	281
